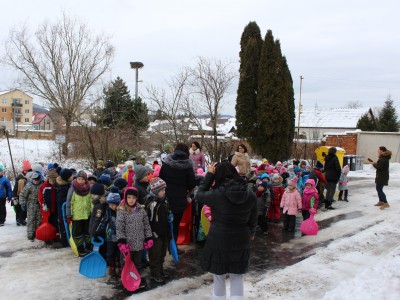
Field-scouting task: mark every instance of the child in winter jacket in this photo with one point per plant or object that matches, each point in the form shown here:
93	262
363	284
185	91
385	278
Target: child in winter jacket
29	202
129	174
108	230
291	204
133	229
343	184
78	210
63	185
97	192
47	197
310	194
274	213
263	202
159	214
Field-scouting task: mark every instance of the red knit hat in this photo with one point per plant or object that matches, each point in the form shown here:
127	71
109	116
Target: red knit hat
26	165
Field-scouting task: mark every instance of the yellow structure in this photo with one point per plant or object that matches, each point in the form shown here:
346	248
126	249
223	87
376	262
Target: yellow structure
16	108
322	151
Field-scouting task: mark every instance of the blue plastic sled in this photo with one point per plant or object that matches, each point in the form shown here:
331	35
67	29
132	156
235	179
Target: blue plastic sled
93	265
174	250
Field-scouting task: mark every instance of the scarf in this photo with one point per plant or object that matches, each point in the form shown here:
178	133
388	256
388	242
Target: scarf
79	189
310	191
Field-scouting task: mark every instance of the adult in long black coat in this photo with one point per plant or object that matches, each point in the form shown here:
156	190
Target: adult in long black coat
382	175
177	172
234	221
332	175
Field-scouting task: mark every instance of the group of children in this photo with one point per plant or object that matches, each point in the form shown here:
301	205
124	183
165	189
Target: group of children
283	191
131	215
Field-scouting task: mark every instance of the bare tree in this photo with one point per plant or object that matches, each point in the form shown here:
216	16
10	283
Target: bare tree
171	106
61	63
354	104
209	83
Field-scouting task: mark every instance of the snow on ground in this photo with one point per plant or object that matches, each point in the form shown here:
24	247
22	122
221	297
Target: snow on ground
359	258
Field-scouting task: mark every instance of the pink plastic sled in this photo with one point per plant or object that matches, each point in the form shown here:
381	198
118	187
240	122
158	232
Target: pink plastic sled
309	226
130	276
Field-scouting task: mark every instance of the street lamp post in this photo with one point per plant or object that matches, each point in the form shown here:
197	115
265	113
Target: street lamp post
136	65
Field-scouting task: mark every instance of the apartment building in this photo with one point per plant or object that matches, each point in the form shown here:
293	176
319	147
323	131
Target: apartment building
15	110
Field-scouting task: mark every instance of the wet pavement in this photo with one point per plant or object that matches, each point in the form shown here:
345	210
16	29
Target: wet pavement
266	254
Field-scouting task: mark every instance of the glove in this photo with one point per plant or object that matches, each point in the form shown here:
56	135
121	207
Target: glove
147	245
124	248
170	218
44	207
23	207
69	220
8	200
209	218
15	200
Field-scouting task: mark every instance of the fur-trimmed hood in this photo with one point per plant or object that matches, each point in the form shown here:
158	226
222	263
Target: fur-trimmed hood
387	154
61	181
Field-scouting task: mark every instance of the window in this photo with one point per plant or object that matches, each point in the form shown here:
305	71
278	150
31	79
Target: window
26	101
4	100
4	119
16	101
17	111
3	109
27	111
27	120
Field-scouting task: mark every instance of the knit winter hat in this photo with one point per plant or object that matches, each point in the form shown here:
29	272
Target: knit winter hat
131	191
293	181
105	179
97	189
92	177
140	172
65	174
319	165
51	174
157	184
26	165
310	181
120	183
110	164
1	168
275	177
129	163
264	175
113	197
50	166
167	147
36	176
100	162
37	167
82	174
157	169
278	163
132	157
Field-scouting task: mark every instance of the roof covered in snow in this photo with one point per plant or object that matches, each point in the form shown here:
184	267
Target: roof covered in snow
330	118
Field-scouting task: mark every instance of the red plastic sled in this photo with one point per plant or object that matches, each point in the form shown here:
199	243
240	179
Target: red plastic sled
130	276
185	227
46	231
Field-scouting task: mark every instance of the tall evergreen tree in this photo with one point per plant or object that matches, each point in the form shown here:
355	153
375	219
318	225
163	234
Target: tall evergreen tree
139	115
272	100
388	119
365	123
291	106
246	105
117	101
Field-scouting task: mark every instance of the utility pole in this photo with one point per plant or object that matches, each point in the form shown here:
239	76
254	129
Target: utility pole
299	111
136	65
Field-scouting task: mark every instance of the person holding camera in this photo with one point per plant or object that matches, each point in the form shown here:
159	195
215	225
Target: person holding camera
382	175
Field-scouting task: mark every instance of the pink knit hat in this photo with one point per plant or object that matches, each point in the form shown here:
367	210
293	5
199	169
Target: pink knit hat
293	181
200	172
156	172
26	165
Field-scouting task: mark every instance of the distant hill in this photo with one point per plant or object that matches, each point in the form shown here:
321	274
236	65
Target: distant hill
39	109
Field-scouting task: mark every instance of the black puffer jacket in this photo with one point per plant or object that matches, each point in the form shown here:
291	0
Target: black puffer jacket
234	209
332	168
177	172
382	168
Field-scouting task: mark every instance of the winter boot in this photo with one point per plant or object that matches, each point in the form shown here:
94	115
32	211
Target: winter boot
384	205
380	203
81	251
112	272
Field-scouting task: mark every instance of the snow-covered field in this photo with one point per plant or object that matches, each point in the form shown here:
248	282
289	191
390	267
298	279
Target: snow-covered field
361	259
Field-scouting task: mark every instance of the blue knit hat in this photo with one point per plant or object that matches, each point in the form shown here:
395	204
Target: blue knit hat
114	197
97	189
105	179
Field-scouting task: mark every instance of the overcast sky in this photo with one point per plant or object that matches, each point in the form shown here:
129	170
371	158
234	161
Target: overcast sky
346	50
